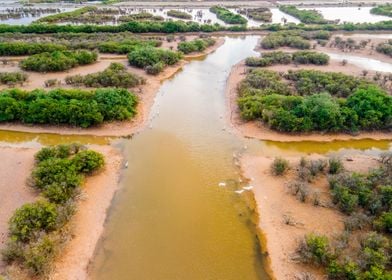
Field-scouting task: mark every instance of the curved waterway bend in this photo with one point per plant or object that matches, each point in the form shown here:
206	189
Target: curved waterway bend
172	218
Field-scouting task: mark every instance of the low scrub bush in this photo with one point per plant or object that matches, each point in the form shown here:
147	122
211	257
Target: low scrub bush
57	61
279	166
179	14
227	16
314	249
12	78
116	75
305	16
315	101
197	45
149	57
28	48
32	219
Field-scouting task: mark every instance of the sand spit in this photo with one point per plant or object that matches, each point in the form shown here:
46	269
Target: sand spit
276	205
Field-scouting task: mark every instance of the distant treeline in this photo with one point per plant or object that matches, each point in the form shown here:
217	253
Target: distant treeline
182	27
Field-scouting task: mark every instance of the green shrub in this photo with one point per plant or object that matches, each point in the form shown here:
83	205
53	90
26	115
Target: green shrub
314	249
39	255
12	78
305	16
335	165
28	48
179	14
143	57
227	16
30	219
310	57
313	102
258	14
56	171
67	106
279	166
348	270
384	222
385	48
88	161
58	151
115	75
155	69
57	60
385	10
291	39
196	45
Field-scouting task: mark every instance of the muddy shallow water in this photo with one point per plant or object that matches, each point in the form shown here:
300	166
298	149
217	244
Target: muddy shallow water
178	215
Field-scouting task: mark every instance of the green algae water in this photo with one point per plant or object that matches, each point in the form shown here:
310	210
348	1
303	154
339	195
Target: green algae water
177	215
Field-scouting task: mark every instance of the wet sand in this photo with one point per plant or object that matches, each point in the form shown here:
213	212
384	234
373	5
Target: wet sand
275	204
256	129
146	94
15	167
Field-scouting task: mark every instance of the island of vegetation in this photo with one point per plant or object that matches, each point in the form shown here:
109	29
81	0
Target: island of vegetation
259	14
279	57
58	60
227	16
67	106
310	100
384	10
196	45
40	229
179	14
305	16
116	75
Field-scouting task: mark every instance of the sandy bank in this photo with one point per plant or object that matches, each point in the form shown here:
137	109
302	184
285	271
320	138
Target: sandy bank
15	167
256	129
276	205
146	94
88	222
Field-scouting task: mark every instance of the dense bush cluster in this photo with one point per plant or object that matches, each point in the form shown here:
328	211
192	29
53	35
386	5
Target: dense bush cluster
305	16
196	45
179	14
259	14
70	107
23	48
226	16
367	198
385	10
153	60
308	100
385	48
37	230
294	39
12	78
58	60
116	75
279	57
